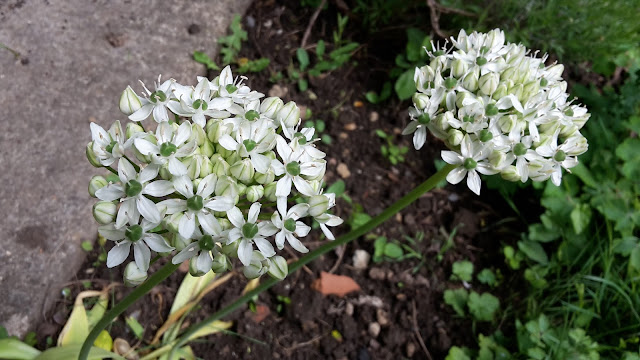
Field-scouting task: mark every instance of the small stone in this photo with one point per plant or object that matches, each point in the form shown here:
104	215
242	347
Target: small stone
411	349
397	130
361	259
401	297
382	317
374	329
358	104
377	274
399	217
350	126
343	135
311	95
348	309
267	24
278	91
251	21
374	116
374	344
343	170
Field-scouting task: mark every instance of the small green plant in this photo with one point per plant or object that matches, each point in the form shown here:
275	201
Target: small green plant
322	64
462	270
283	301
482	307
230	47
320	127
395	154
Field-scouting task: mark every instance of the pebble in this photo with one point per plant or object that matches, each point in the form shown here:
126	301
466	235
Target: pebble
343	135
411	349
348	309
303	112
399	217
382	317
350	126
374	329
374	344
401	297
343	170
361	259
279	91
377	274
374	116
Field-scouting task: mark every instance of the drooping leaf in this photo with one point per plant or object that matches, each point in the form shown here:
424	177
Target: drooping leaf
303	58
405	86
533	251
12	348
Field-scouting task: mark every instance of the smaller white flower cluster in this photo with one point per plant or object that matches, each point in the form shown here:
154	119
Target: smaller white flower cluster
214	179
499	109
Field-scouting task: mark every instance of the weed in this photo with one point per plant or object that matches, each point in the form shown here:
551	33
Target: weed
395	154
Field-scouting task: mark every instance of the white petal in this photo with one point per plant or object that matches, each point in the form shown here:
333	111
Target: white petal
221	103
142	113
110	192
302	185
283	148
228	143
280	238
254	211
160	113
110	232
220	203
235	216
265	247
118	254
128	213
451	157
145	147
183	134
298	211
187	253
204	262
419	138
126	171
172	206
187	225
99	135
148	173
207	186
176	167
142	255
327	232
244	252
281	202
209	224
261	163
473	182
158	243
302	229
267	228
159	188
296	244
148	209
277	166
456	175
183	185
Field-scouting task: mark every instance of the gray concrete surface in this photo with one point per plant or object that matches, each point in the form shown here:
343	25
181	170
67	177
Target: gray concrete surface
76	58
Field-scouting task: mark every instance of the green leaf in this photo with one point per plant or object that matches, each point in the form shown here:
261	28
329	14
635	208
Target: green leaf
414	44
629	151
337	188
381	133
320	47
12	348
135	326
203	58
87	246
634	258
463	270
378	248
405	86
393	250
303	58
456	353
320	126
535	276
372	97
303	85
457	299
326	139
73	351
486	276
533	251
625	245
580	217
359	219
483	307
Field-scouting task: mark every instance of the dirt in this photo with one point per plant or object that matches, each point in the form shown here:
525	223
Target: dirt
399	312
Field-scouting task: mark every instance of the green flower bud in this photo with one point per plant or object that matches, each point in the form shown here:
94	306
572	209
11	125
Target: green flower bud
459	67
225	224
498	159
555	71
164	172
470	81
231	250
91	156
517	90
242	188
171	223
221	264
454	137
510	173
460	96
105	212
197	134
506	123
193	164
132	129
226	186
488	83
207	148
194	270
96	183
270	106
510	73
216	128
500	92
568	130
278	267
289	114
243	170
420	100
220	166
129	101
254	193
206	168
531	88
263	179
318	205
133	276
270	191
226	154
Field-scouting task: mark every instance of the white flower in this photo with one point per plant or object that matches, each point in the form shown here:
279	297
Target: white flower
250	232
138	236
469	162
253	139
109	146
171	146
131	193
289	227
293	167
202	248
156	102
199	103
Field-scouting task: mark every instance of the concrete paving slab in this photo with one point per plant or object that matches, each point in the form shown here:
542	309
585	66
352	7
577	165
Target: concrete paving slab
76	58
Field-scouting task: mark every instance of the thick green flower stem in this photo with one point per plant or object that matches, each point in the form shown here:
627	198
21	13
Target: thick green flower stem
325	248
136	294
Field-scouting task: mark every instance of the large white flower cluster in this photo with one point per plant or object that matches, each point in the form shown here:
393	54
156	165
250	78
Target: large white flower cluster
214	181
499	109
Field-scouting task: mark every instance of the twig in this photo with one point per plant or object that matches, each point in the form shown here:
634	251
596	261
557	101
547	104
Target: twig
15	53
435	18
290	349
295	257
311	22
341	250
417	332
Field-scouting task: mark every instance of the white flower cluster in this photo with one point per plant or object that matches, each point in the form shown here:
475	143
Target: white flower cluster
214	179
499	109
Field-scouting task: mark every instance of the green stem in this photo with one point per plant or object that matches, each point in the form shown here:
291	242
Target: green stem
344	239
136	294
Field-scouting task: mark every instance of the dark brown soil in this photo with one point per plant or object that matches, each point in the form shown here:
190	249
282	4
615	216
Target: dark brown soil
404	298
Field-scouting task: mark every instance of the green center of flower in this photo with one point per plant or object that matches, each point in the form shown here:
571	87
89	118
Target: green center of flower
544	82
439	53
484	49
134	233
569	112
249	144
485	135
109	147
560	156
468	118
519	149
491	110
231	88
450	83
302	140
481	61
424	119
206	243
251	115
166	149
200	103
133	188
293	168
469	164
195	203
290	225
249	230
158	95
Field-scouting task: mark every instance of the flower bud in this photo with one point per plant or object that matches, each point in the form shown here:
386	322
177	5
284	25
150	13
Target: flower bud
500	92
105	212
242	188
206	167
226	154
220	166
515	54
270	106
488	83
197	134
278	267
256	268
454	137
318	205
495	38
506	123
289	115
530	89
420	100
270	191
97	182
555	71
470	81
226	186
517	90
459	67
460	97
193	164
216	128
510	73
510	173
225	224
129	101
263	179
221	264
132	129
207	148
196	269
498	159
164	172
243	170
133	275
91	156
255	192
438	63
